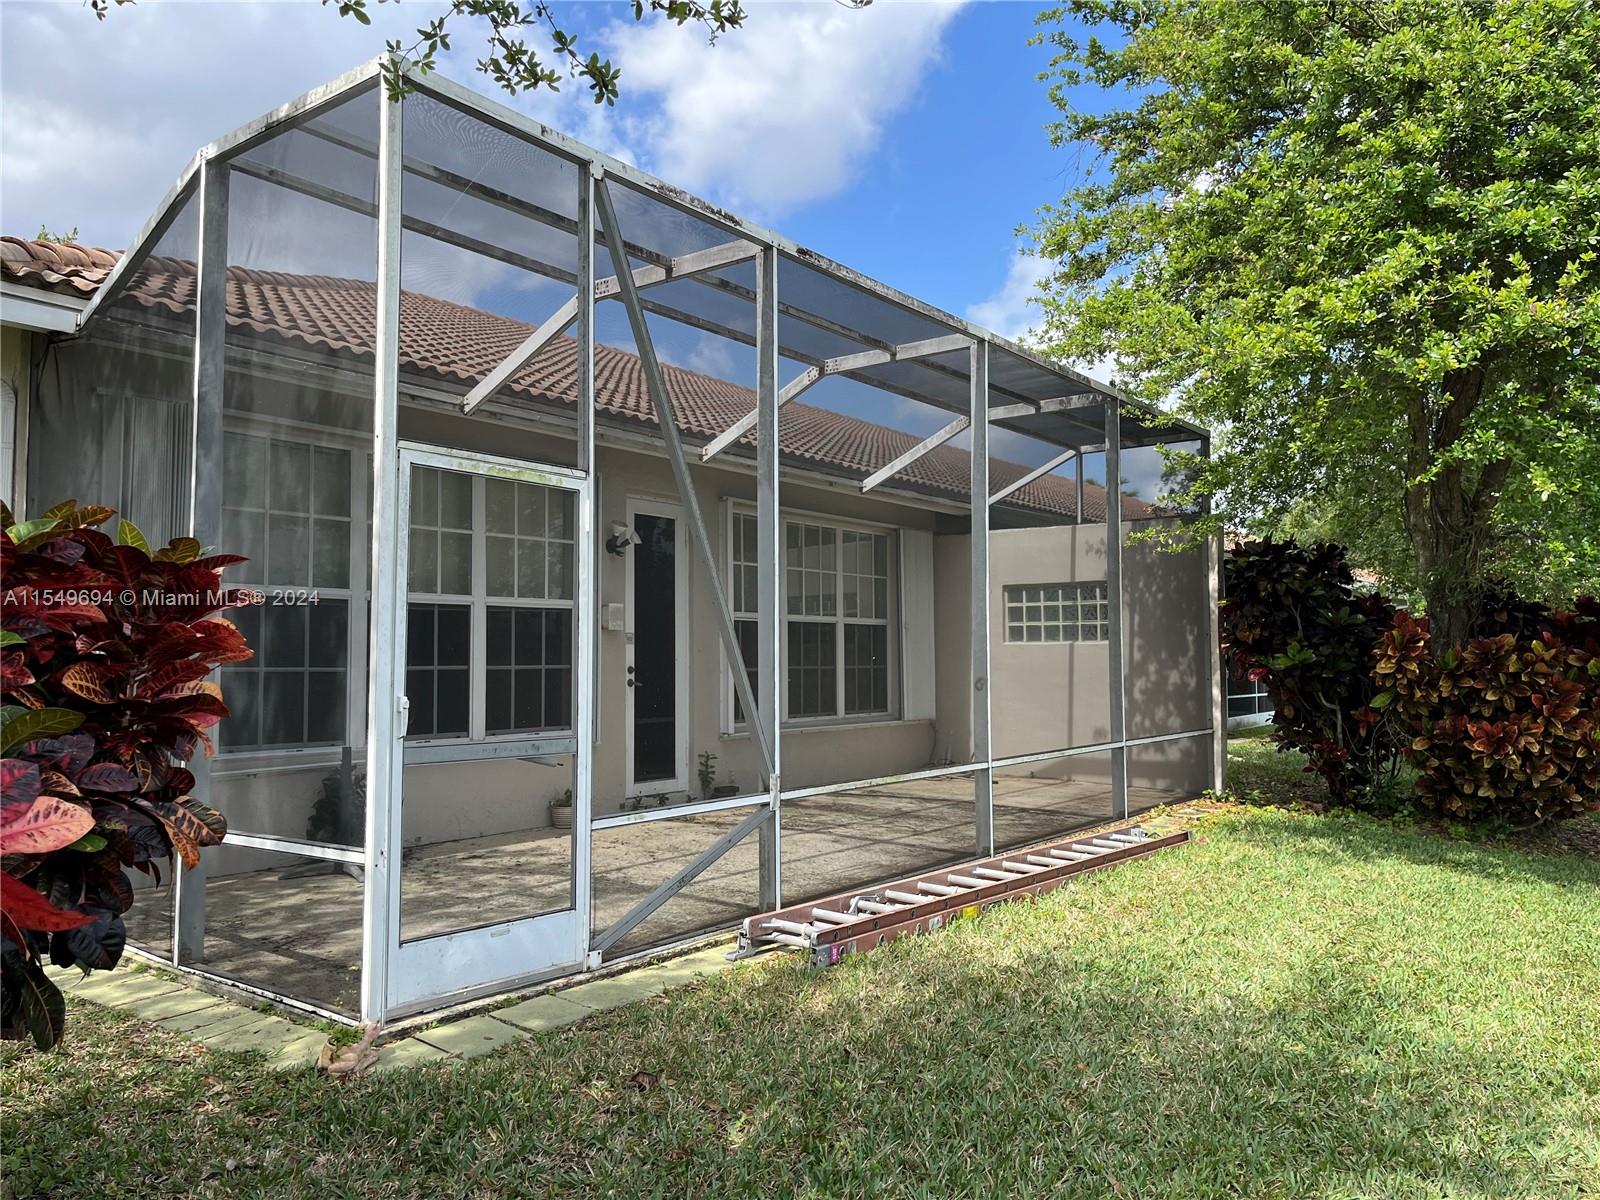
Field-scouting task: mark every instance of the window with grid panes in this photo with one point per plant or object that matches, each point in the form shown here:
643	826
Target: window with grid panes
528	661
837	609
288	510
439	605
491	563
1056	612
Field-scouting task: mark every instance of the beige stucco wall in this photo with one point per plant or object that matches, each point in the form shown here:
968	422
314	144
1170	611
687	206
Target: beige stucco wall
1048	696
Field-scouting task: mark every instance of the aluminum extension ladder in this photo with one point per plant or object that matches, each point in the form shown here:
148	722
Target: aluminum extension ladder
851	922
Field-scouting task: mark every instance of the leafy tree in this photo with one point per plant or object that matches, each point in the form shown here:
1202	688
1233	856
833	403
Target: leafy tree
1359	239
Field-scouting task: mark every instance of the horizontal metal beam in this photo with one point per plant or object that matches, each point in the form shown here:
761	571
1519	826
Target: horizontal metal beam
681	267
677	812
931	442
906	350
671	887
1056	404
1036	473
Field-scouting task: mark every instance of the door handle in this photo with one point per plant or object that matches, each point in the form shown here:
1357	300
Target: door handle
630	681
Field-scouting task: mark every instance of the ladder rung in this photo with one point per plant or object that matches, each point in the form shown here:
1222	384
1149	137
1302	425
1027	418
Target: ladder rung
936	889
965	881
876	907
789	939
905	897
1126	838
991	873
790	927
831	917
1020	868
1040	861
1103	844
1071	855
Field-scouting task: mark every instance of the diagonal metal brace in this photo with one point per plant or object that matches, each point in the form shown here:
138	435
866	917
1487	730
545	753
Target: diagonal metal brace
747	422
667	419
932	442
642	910
1038	472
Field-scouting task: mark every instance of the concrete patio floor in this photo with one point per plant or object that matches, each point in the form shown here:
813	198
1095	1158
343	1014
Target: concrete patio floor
302	936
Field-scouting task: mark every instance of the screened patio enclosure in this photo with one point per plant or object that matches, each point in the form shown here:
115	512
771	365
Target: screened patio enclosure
624	568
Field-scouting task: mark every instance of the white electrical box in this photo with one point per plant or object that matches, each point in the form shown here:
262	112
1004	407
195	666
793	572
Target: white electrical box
611	617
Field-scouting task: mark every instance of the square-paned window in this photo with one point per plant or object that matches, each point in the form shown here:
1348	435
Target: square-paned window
438	670
289	512
838	584
501	554
1056	612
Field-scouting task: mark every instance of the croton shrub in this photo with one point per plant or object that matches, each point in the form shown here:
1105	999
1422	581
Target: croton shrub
1506	728
105	649
1293	619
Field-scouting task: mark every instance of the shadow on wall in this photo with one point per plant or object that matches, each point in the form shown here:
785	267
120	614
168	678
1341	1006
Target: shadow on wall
1169	680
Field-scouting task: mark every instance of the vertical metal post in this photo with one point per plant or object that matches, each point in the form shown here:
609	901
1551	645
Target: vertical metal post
1219	673
385	720
661	399
1118	732
205	486
769	569
1078	513
587	608
982	749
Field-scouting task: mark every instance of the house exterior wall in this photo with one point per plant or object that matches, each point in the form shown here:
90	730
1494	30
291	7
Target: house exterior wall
1050	696
1044	697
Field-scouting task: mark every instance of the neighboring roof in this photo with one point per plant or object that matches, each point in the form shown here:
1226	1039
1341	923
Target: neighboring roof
56	266
460	345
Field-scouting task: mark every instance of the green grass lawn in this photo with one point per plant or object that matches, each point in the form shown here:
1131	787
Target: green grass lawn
1296	1005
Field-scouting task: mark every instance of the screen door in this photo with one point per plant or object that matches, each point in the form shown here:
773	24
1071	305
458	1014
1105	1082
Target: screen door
489	778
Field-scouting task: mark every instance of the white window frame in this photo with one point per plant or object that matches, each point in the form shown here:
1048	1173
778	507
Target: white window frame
1070	597
892	621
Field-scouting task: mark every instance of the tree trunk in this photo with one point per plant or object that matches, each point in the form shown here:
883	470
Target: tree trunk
1448	512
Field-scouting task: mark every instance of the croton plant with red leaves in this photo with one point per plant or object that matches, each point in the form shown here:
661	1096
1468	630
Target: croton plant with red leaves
105	649
1507	727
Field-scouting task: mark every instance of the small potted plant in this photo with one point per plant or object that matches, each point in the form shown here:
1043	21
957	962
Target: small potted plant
710	789
561	811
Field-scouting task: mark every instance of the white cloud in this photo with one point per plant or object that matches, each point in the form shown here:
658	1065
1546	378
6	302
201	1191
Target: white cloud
707	354
782	112
1012	309
94	135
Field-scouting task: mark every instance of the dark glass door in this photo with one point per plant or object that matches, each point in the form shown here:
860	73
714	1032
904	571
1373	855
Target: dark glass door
653	677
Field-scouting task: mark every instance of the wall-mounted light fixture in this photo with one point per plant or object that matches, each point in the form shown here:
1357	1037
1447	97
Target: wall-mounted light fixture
621	538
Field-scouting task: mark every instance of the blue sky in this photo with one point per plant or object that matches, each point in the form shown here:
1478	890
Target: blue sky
906	140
